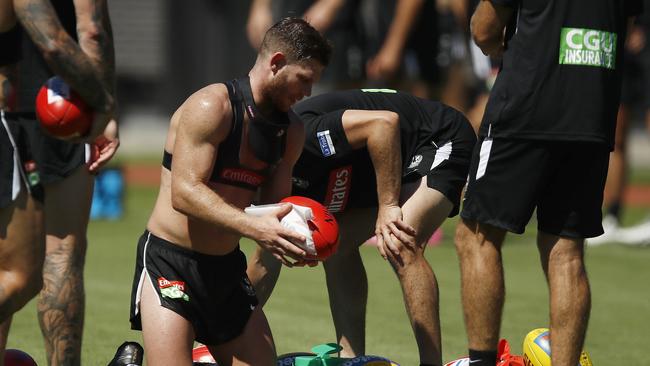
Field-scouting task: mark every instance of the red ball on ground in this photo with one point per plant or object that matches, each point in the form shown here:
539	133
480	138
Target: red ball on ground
15	357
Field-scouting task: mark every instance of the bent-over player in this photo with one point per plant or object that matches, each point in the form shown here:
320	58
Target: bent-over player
387	163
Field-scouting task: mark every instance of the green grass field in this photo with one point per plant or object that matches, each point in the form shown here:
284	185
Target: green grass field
299	314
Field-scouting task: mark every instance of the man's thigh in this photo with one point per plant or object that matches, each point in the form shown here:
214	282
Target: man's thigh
424	208
67	203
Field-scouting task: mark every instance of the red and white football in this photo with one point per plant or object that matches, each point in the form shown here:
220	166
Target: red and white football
61	111
323	227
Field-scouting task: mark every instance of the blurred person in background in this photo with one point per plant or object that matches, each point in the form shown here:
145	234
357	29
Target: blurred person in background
635	96
401	38
338	20
73	40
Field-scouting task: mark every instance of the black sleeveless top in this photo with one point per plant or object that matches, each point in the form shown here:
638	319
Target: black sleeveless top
227	167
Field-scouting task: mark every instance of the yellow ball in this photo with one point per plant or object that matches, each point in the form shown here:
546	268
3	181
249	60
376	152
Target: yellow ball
537	349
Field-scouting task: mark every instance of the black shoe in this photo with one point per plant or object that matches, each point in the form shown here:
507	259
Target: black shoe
128	354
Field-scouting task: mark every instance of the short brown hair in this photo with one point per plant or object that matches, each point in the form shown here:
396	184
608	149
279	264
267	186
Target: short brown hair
298	40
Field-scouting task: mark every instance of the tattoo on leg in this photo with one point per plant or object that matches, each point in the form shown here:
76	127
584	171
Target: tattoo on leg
61	303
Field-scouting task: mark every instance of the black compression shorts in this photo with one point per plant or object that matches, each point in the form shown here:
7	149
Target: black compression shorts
211	291
56	159
18	170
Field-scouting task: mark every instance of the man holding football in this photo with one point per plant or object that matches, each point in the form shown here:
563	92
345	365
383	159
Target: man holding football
226	143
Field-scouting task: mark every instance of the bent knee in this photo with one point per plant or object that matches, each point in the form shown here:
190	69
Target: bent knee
408	259
17	288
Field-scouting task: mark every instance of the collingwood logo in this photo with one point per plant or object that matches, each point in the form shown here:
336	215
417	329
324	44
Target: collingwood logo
417	159
300	183
588	47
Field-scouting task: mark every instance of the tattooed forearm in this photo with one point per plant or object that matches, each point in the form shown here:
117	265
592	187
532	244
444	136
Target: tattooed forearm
62	54
96	37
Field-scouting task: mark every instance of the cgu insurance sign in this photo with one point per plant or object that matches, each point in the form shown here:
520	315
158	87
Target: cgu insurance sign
588	47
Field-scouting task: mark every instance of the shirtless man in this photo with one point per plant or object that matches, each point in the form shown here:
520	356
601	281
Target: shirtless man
227	141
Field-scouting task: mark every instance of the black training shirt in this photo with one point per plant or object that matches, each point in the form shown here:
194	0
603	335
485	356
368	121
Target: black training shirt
327	156
561	71
420	120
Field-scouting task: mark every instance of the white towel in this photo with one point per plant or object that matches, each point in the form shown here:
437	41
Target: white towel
295	220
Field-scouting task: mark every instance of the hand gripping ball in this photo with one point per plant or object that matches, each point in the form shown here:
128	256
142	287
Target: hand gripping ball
323	226
14	357
61	110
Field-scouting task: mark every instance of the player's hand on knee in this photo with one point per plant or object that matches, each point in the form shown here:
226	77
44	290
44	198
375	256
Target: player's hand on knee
391	231
389	220
389	247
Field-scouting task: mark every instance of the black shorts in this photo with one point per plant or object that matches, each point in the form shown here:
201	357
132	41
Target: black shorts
55	159
445	162
211	291
18	170
564	181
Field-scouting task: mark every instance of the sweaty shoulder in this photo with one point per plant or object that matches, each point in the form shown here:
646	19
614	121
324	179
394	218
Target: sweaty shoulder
207	111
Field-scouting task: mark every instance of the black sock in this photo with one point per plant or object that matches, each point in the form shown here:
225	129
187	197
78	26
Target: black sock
427	364
482	358
615	210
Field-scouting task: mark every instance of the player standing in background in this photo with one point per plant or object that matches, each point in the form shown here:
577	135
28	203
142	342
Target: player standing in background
226	143
635	94
545	141
71	39
385	163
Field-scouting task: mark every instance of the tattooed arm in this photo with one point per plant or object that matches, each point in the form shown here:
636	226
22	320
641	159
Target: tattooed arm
64	56
96	37
96	40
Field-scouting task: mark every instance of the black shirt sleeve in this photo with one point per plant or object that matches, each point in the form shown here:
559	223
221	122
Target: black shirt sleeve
325	135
